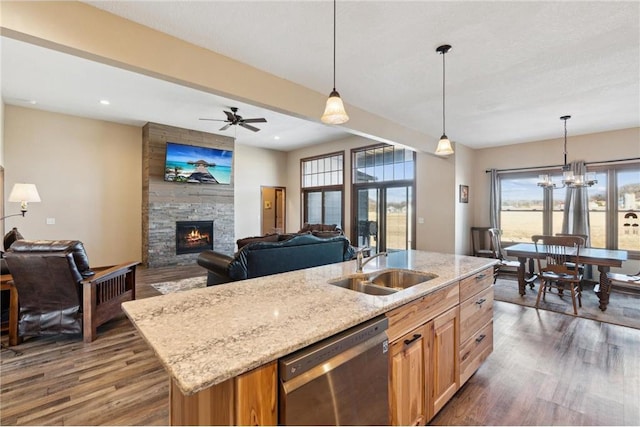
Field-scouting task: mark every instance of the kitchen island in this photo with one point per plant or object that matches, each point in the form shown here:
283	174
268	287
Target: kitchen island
219	342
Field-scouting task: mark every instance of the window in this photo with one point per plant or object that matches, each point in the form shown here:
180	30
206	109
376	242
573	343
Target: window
322	183
614	207
383	198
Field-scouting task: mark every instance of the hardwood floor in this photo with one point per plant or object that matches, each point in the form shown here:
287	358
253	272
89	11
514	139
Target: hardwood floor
546	368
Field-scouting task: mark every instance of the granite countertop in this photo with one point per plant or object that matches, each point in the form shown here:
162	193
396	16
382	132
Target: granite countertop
206	336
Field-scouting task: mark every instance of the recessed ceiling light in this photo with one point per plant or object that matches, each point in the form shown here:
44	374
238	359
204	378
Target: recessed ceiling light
32	102
276	137
104	102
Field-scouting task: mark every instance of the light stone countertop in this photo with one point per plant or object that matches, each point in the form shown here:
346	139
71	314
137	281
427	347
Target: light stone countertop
206	336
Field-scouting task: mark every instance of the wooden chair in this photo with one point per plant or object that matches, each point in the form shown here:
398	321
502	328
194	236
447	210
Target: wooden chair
506	266
481	242
553	255
58	292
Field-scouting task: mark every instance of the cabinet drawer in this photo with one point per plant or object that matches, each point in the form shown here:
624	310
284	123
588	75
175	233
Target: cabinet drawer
404	319
474	284
475	313
474	351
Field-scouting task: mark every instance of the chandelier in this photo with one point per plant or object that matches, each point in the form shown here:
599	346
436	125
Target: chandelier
569	179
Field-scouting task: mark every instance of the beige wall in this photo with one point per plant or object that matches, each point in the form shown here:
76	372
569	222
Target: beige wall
256	167
464	211
88	175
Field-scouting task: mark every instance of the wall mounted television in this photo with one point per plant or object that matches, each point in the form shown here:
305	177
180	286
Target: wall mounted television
197	165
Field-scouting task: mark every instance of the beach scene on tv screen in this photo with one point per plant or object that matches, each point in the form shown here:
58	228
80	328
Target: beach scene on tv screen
198	165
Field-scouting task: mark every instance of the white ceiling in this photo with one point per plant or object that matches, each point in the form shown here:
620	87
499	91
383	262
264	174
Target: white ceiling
514	69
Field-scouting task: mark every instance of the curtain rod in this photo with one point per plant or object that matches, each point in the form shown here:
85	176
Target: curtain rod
559	166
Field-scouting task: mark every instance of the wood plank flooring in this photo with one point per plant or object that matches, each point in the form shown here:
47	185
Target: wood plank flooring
547	368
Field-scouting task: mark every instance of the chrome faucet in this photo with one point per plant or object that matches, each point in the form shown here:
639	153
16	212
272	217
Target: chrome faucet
360	262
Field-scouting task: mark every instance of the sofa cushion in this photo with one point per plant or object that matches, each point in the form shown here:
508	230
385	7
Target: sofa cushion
266	238
326	234
319	227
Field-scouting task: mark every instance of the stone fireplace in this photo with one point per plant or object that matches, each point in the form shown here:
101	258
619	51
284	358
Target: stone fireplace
164	204
193	236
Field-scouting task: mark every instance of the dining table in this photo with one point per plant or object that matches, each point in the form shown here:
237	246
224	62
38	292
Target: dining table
604	259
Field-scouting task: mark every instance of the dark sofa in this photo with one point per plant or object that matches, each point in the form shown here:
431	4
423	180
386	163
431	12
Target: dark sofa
262	258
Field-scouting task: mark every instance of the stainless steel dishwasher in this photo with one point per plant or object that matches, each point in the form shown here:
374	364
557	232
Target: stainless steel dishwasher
342	380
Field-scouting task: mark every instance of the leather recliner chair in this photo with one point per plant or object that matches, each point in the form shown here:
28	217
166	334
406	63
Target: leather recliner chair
60	294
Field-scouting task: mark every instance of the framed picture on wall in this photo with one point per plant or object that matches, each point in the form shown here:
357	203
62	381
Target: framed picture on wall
464	194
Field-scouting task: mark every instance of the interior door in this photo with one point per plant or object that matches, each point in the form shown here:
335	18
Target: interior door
273	203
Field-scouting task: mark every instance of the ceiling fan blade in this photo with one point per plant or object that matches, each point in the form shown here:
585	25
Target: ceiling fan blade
259	120
230	116
213	120
225	127
246	126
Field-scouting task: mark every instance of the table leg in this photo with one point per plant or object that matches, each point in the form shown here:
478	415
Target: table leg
522	285
604	287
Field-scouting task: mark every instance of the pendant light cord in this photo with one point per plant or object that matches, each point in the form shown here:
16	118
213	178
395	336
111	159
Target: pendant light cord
565	142
443	95
334	45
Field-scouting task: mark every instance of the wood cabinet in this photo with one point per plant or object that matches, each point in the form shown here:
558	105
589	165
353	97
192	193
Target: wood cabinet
408	378
423	361
476	322
444	360
248	399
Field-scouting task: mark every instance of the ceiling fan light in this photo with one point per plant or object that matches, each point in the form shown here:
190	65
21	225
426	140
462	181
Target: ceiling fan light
334	112
444	146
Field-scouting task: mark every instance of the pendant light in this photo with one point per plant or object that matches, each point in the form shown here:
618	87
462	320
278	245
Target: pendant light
444	145
334	113
568	178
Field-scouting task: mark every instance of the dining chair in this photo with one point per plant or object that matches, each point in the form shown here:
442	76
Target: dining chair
505	266
554	253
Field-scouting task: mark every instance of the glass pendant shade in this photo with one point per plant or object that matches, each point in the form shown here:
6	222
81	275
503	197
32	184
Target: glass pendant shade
334	112
444	146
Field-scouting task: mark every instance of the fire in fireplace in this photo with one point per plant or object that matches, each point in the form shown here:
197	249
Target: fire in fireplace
193	236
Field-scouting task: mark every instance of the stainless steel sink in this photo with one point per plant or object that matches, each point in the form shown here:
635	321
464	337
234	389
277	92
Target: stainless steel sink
400	279
383	282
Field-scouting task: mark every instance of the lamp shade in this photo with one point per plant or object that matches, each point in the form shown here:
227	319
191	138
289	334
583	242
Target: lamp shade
24	193
444	146
334	112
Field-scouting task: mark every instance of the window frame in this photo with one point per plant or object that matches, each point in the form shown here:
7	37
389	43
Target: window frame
322	189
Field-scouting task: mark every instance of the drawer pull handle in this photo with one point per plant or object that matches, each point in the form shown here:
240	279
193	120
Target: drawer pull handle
466	355
480	338
481	301
481	276
415	337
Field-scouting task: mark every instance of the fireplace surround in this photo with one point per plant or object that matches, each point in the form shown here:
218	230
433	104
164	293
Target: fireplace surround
165	203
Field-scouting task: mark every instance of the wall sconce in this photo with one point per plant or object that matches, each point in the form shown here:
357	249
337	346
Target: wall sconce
23	193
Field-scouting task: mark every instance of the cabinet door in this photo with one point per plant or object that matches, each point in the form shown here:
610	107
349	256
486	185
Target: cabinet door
407	386
444	359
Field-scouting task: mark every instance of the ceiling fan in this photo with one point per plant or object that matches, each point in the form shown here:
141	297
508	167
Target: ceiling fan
234	119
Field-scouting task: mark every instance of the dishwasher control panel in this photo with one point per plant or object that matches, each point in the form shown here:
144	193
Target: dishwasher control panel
316	354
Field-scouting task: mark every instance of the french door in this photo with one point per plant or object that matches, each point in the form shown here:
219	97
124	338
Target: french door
384	217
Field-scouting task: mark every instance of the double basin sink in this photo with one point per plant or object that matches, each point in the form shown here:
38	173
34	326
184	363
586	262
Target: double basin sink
384	282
